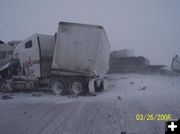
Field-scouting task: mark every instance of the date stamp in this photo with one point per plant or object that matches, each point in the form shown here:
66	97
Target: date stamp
153	117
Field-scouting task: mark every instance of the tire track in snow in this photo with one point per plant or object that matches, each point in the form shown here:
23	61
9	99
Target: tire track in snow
67	118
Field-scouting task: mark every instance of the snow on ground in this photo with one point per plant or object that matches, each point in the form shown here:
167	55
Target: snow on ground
112	111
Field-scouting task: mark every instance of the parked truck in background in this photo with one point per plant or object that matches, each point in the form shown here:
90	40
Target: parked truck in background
68	62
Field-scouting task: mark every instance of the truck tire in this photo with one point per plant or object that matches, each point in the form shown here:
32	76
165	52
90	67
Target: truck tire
79	86
58	86
100	87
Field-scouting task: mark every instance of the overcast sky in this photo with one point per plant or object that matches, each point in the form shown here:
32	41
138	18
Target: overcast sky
150	27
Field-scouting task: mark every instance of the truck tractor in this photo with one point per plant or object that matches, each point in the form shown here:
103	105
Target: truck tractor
69	62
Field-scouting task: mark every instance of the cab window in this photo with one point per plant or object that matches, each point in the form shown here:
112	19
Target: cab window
28	44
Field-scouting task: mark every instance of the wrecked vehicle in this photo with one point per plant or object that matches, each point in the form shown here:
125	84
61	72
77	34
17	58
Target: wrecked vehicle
6	69
69	62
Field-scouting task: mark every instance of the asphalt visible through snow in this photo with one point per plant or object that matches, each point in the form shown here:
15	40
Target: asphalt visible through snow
116	110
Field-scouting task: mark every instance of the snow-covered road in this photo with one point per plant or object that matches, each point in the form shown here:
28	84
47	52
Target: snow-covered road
112	111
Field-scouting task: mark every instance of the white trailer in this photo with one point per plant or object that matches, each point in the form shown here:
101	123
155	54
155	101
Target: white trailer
68	62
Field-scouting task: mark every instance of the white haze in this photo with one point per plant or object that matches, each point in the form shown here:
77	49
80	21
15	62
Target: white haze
150	27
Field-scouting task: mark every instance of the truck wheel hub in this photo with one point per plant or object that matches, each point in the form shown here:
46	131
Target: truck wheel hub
58	87
77	87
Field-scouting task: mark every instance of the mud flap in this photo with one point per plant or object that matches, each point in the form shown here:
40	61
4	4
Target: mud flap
91	86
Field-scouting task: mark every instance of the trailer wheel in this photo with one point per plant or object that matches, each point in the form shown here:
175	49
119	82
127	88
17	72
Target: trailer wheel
58	86
78	86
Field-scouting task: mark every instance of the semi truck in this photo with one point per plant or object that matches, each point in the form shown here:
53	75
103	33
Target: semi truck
68	62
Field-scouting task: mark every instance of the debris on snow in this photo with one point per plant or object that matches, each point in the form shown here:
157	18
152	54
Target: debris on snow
6	97
131	82
30	117
119	98
143	88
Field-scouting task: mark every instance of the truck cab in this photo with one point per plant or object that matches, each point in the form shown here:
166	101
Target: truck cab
35	55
